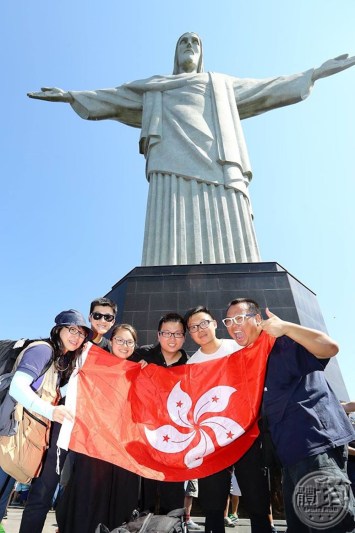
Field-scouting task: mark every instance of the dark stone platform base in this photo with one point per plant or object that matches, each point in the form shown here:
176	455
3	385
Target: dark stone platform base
147	293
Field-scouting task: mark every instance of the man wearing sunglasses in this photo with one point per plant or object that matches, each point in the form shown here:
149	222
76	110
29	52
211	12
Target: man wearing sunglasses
80	470
102	318
308	426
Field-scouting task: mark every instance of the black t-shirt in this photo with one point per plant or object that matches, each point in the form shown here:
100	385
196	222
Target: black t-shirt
104	344
153	354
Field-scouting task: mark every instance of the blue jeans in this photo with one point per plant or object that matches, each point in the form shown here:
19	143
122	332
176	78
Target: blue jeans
332	462
6	485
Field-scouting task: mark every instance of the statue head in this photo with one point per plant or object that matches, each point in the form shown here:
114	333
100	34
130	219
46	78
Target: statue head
188	54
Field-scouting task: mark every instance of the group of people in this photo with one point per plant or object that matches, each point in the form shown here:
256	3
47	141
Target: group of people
309	428
192	139
59	354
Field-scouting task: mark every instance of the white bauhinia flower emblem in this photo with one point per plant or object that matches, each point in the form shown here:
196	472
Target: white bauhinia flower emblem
169	439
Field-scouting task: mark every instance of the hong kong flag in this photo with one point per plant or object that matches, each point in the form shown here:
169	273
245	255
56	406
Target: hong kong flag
170	424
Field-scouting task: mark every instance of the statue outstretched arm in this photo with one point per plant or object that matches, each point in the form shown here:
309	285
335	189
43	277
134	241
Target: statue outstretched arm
258	96
52	94
332	66
118	103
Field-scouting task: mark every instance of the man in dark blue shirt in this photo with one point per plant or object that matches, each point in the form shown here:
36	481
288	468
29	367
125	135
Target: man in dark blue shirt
308	426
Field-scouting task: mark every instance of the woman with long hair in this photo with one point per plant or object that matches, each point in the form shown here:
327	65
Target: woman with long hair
39	386
98	491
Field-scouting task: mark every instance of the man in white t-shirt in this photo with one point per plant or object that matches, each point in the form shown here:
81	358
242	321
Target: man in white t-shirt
214	489
202	328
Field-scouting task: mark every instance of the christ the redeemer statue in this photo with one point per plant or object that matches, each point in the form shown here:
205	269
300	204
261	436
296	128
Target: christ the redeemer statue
197	162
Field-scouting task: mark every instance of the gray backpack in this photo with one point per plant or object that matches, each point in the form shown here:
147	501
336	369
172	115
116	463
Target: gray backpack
172	522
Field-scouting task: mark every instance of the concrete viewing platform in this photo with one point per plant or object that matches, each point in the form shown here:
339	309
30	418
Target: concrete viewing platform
12	523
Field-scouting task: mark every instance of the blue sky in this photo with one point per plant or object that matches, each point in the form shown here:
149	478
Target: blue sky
73	193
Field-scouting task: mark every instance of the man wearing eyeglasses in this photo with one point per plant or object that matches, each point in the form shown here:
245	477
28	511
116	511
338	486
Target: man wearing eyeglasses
308	426
102	318
214	489
202	328
168	352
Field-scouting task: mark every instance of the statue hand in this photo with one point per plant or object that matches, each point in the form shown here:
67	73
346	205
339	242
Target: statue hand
52	94
332	66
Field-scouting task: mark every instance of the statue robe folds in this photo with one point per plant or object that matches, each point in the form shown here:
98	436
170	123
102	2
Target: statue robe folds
197	162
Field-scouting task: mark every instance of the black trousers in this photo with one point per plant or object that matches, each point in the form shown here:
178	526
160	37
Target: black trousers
212	494
253	482
42	489
161	497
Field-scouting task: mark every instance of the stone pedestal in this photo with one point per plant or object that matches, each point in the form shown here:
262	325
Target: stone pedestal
147	293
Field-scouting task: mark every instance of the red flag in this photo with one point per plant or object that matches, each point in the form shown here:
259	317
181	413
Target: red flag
171	424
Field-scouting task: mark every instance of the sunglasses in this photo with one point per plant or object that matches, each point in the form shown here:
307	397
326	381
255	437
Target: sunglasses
107	317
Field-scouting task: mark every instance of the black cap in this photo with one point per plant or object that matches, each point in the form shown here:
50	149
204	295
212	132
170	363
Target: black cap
71	318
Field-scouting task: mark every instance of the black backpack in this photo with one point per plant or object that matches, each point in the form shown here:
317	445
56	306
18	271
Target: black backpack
172	522
9	352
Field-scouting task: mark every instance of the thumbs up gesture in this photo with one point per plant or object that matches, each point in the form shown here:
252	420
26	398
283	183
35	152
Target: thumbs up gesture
274	325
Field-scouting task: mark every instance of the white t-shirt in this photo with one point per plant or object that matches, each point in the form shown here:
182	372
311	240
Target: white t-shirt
227	347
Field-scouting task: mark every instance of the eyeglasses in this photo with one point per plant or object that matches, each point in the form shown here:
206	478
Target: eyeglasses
107	317
237	319
74	331
168	334
122	342
202	325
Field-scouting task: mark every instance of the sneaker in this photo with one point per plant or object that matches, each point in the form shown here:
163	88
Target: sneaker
234	518
192	526
228	522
